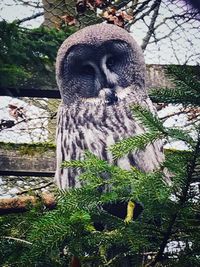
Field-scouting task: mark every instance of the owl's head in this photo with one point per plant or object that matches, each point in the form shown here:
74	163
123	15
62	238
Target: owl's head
99	61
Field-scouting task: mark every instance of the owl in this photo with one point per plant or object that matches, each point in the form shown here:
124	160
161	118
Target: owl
100	72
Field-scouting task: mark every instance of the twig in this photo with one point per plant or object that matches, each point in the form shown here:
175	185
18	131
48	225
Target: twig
192	122
185	15
34	189
19	21
147	12
141	8
173	114
122	4
17	239
27	120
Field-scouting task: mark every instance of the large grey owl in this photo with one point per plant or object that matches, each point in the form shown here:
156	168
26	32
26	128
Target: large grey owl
100	72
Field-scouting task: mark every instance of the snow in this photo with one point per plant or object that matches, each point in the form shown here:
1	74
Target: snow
31	129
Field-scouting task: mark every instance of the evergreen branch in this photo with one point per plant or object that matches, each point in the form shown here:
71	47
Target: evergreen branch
157	131
90	160
149	120
186	87
184	77
183	199
180	135
175	96
73	164
125	146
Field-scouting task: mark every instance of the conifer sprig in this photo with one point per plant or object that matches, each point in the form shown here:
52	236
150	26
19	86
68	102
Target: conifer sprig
150	121
186	87
133	143
155	130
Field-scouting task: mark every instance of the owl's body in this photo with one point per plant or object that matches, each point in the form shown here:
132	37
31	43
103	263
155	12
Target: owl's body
96	95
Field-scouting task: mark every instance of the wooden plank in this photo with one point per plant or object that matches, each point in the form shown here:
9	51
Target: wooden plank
33	172
156	77
17	163
26	92
40	163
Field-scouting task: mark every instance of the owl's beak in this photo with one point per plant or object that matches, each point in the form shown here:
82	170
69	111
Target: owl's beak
111	99
109	96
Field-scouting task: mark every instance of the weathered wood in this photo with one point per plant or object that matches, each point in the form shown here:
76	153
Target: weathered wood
156	78
24	203
16	162
26	92
34	172
28	160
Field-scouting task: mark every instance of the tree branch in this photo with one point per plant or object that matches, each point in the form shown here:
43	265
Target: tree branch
19	21
141	7
155	7
147	12
34	189
28	3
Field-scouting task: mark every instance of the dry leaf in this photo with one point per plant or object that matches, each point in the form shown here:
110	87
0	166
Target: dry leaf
125	16
69	20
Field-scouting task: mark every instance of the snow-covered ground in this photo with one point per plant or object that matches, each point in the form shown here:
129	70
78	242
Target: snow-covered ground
31	126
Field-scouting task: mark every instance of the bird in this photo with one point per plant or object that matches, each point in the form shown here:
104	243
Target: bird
101	73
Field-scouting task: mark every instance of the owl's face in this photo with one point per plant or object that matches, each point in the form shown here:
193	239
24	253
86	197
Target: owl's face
99	69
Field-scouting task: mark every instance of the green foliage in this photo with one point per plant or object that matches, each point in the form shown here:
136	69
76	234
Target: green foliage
20	46
52	237
132	143
171	211
154	131
149	121
71	225
187	86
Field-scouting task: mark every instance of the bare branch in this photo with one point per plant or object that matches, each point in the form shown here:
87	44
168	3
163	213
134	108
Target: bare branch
34	189
141	8
185	15
155	7
39	14
28	3
173	114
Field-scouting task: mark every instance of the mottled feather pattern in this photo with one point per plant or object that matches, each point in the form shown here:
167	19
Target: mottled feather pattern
92	125
101	73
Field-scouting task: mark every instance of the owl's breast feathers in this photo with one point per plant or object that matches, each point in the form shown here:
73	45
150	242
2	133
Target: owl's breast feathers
95	126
